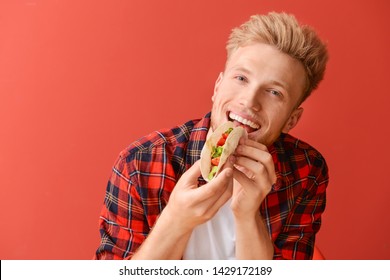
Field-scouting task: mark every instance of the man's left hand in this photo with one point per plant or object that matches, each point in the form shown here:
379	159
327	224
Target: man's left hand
254	174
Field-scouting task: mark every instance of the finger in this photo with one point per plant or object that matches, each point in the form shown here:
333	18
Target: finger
252	143
189	179
216	187
253	152
193	172
241	177
215	202
254	183
250	158
229	162
247	166
258	183
218	203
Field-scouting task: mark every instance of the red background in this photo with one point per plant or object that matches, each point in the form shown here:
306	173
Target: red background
80	80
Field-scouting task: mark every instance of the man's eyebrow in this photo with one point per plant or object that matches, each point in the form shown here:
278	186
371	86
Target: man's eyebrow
241	69
271	81
279	83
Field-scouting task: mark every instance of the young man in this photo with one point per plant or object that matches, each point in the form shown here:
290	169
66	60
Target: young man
268	200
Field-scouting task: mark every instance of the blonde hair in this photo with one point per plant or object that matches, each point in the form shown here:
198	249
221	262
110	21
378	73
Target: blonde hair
287	35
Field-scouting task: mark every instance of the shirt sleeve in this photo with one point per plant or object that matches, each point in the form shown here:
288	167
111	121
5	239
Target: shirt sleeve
122	223
297	237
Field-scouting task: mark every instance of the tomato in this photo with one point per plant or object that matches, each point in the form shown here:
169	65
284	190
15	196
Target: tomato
225	135
215	161
221	141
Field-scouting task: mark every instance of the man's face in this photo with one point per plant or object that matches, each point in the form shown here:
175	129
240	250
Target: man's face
260	90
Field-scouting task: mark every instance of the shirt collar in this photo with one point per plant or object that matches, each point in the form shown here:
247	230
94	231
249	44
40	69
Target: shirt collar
197	139
273	150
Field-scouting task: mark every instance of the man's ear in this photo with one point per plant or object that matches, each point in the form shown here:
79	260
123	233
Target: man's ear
216	86
293	120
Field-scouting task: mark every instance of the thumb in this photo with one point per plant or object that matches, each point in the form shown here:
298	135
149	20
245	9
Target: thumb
229	162
225	176
193	172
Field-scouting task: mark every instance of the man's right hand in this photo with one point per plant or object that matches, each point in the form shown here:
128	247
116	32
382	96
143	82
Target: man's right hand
190	205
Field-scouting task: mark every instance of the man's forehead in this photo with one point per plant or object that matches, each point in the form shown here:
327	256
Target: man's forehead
246	67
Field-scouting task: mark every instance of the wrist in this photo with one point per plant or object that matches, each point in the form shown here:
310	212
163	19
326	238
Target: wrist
247	220
166	240
245	216
171	220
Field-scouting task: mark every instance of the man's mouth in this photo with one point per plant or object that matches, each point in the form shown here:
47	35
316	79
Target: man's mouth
249	125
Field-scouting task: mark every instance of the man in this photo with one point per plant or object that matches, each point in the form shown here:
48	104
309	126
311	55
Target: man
268	200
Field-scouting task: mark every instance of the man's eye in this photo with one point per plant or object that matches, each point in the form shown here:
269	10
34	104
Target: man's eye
274	92
241	78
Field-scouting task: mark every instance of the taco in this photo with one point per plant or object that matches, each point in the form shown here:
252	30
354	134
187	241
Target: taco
218	147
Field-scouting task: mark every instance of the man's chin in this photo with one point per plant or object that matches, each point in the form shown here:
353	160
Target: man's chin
266	140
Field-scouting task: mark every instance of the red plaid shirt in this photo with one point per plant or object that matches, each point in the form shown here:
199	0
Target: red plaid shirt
146	173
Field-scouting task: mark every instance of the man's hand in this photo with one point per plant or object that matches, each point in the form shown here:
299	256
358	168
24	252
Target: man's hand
254	175
190	205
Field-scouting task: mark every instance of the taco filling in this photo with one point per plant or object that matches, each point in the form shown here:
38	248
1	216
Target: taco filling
216	153
220	144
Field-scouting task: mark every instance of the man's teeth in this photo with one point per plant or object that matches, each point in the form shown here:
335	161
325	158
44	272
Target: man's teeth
243	121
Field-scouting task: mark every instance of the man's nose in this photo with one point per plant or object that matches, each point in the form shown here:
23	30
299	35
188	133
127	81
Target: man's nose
251	99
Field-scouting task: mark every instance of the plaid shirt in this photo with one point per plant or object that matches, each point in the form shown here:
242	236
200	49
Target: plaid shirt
146	173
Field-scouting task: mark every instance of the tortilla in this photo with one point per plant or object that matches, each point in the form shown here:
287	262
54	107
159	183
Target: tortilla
229	147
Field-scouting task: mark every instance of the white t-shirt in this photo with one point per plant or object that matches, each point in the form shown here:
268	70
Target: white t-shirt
215	239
